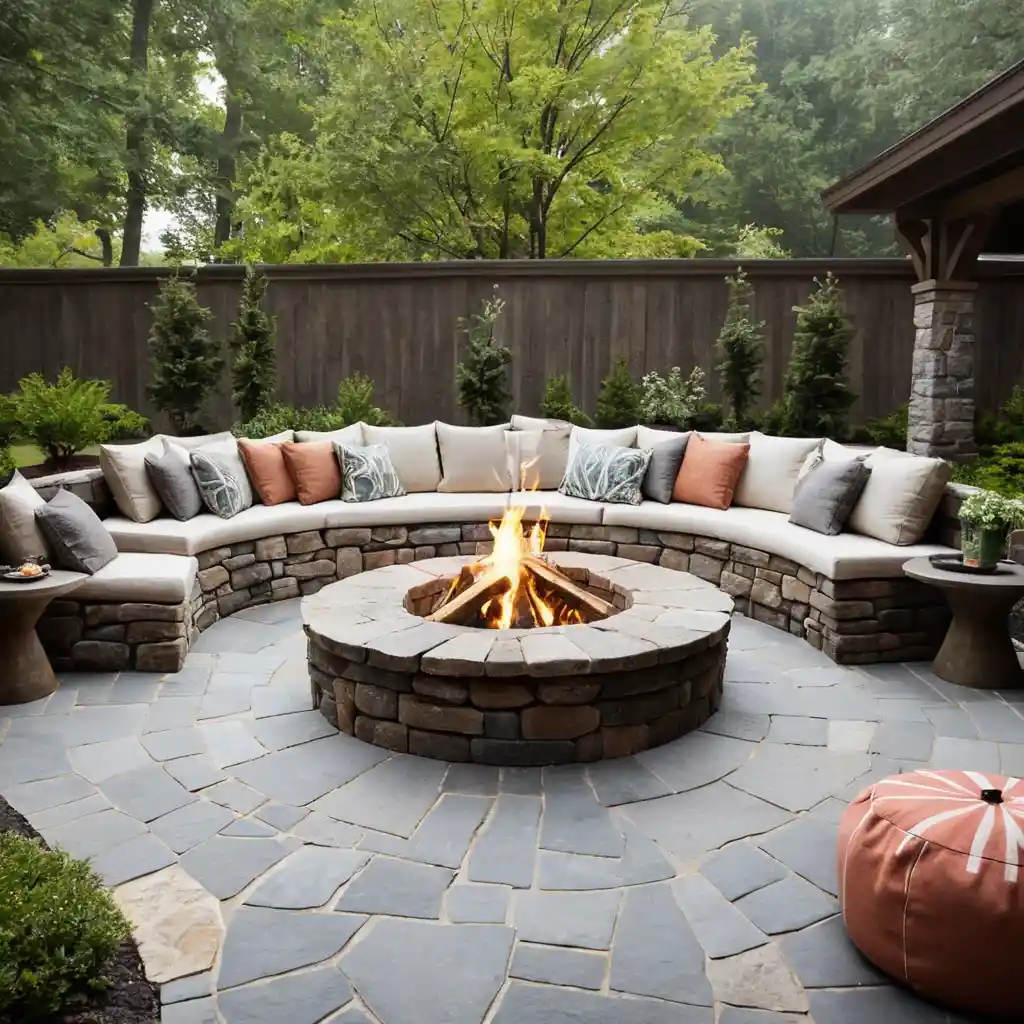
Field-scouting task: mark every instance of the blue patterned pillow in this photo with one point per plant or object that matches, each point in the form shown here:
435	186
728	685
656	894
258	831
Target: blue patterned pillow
221	478
367	473
606	472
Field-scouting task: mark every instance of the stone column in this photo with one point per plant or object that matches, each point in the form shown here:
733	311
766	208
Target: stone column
941	417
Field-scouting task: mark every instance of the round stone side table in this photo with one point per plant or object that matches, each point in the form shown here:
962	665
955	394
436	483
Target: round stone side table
977	651
25	672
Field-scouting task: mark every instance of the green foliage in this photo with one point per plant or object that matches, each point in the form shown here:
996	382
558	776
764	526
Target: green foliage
618	401
1000	470
6	464
1004	427
355	402
58	928
252	340
482	377
558	404
754	242
671	399
740	353
709	416
63	242
187	363
67	416
993	510
888	431
817	398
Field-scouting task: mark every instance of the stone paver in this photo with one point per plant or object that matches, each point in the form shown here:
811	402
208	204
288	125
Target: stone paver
274	869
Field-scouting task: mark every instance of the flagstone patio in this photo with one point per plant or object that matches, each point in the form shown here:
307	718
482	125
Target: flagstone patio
277	870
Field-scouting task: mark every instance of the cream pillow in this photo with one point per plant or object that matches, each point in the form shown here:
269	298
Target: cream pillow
413	452
191	443
20	536
625	437
725	437
522	455
772	470
124	469
473	459
829	451
648	437
352	435
284	437
551	454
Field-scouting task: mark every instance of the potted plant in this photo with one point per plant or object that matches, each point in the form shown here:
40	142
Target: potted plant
985	520
666	403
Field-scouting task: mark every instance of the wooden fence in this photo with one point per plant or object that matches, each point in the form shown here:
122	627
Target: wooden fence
400	323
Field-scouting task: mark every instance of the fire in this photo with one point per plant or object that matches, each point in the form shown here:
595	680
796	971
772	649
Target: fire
511	543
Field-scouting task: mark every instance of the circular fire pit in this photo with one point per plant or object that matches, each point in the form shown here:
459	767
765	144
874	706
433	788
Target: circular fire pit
649	672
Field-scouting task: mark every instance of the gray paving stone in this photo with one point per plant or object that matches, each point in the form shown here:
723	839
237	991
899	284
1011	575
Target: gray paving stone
779	698
746	667
281	816
906	710
292	729
249	828
171	743
506	849
226	866
566	918
808	847
895	680
882	1004
797	778
191	825
99	761
191	681
573	821
444	835
965	755
241	799
553	965
458	967
787	905
299	775
92	835
271	701
195	1011
696	760
624	780
146	793
229	743
321	830
740	869
831	810
741	1015
307	878
1011	759
64	813
690	824
906	740
40	796
738	724
998	722
195	772
262	943
351	1015
823	956
720	928
952	722
809	732
97	725
139	856
520	781
641	861
194	986
655	952
299	999
477	904
171	713
379	842
556	1005
134	690
846	702
821	676
398	888
475	779
393	796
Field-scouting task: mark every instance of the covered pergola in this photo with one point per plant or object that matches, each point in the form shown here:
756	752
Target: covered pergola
956	190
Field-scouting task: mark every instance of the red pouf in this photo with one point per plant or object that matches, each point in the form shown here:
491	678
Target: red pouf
932	889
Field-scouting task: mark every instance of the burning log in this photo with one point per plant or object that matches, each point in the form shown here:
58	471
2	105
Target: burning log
465	606
590	606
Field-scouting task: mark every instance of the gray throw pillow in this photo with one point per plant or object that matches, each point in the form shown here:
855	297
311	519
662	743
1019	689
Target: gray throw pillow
171	477
79	541
367	473
666	458
825	497
606	472
222	482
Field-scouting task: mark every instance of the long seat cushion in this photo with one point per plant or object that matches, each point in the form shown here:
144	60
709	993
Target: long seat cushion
138	578
559	508
847	556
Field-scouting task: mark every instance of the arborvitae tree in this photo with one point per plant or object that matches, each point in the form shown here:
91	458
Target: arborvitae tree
187	363
618	402
254	369
817	398
482	377
558	403
740	353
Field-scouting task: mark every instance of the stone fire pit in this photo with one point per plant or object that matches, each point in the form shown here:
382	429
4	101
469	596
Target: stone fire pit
634	680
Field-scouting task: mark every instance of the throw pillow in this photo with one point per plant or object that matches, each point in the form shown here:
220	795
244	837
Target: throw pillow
190	444
367	473
172	479
606	472
667	449
772	470
710	472
352	434
725	437
825	497
20	535
625	437
522	455
413	452
80	542
223	483
552	454
473	459
314	468
264	462
124	469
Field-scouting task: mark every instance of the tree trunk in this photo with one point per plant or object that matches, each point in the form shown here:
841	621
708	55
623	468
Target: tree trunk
103	234
226	165
136	139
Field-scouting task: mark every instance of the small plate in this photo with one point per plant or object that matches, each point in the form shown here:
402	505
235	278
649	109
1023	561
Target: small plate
16	577
955	563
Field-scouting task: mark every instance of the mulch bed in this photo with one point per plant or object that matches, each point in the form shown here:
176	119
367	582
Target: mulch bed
76	462
130	999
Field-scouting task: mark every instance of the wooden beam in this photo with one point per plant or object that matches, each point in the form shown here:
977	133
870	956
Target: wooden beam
944	250
986	197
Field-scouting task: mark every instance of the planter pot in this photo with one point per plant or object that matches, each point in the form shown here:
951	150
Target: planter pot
982	546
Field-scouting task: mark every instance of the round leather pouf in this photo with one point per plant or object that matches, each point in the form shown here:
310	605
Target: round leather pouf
932	889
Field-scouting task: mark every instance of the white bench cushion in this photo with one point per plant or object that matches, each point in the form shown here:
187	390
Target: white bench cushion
410	509
560	508
138	578
847	556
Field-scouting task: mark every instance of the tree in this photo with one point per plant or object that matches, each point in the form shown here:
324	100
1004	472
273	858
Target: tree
253	341
482	377
740	353
558	404
618	402
816	399
187	363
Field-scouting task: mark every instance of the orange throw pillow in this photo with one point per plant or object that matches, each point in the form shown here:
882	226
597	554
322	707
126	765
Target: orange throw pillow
264	462
314	468
710	472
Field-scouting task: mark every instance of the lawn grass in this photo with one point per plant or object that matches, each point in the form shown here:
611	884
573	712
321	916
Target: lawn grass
30	455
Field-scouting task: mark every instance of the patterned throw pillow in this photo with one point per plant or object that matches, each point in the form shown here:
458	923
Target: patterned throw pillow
367	473
222	481
606	472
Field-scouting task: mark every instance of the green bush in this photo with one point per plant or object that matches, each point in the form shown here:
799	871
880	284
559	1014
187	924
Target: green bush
482	377
558	404
6	465
708	417
1005	426
1000	470
740	354
58	928
254	369
618	402
68	416
888	431
671	400
355	403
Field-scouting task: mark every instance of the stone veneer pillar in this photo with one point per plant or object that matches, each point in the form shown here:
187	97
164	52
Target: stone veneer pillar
941	415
